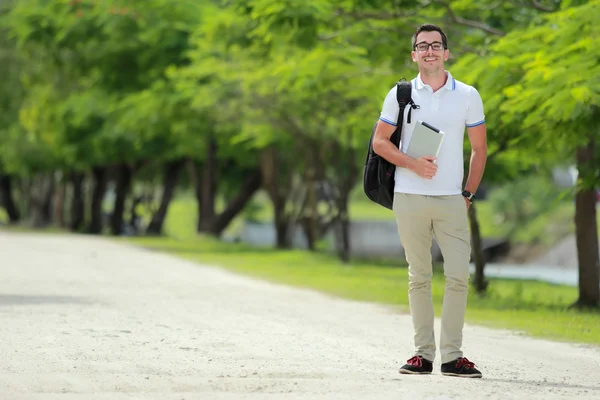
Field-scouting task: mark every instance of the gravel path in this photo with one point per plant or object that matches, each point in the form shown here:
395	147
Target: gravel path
87	318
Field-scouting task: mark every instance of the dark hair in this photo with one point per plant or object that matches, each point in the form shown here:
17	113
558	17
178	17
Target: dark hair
429	28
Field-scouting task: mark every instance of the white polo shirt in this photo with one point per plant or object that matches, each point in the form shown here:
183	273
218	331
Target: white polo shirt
451	109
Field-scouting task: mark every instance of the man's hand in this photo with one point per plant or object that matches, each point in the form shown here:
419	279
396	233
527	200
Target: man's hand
468	203
425	167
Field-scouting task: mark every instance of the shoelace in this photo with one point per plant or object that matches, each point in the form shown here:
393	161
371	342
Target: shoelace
464	361
416	361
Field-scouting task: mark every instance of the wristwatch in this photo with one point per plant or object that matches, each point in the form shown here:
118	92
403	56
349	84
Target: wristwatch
470	196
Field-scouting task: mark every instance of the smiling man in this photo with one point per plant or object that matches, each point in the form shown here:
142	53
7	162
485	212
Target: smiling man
430	201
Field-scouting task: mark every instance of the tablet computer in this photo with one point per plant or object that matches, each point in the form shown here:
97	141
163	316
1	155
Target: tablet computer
426	140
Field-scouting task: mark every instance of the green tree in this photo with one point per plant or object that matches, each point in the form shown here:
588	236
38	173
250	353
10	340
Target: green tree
301	81
11	96
473	28
544	81
106	54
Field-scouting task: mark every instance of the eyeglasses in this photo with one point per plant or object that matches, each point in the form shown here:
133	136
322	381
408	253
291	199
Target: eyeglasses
424	46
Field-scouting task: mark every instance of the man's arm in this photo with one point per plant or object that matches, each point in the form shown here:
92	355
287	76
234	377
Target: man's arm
478	139
383	146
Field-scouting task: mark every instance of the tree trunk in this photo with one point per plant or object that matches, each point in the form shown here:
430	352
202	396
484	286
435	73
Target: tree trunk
479	281
78	202
7	199
134	218
586	232
100	182
124	176
344	232
26	191
271	181
282	225
170	179
344	178
312	216
238	203
211	222
206	188
49	196
59	202
40	190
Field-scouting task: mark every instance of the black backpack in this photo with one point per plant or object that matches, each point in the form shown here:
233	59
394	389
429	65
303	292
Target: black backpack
378	178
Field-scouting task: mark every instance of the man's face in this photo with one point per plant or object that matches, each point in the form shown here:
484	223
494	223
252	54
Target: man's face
430	60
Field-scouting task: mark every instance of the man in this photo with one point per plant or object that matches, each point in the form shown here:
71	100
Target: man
429	199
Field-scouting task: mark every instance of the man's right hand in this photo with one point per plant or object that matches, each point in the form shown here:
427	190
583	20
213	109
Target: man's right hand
425	167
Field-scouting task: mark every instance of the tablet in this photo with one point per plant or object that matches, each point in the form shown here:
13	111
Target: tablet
426	140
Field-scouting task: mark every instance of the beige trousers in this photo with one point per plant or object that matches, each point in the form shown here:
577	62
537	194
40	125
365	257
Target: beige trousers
419	218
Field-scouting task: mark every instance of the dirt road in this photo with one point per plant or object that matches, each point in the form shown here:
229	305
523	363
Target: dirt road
86	318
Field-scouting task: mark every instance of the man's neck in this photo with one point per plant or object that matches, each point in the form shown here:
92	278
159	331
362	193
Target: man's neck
436	81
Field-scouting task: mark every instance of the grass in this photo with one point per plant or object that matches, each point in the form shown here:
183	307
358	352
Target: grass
534	308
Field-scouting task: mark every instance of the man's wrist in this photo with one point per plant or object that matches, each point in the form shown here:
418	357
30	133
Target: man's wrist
468	195
410	163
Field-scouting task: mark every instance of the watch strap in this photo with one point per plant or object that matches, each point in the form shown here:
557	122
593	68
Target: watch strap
470	196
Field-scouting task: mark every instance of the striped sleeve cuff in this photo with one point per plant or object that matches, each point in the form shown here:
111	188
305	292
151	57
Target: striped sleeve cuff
387	121
476	124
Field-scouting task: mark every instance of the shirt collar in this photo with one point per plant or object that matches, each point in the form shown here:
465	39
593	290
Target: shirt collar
450	82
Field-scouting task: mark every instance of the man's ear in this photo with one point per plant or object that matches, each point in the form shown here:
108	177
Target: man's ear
414	56
446	54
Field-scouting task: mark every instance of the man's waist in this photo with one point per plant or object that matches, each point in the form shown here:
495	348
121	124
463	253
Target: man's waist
427	192
409	182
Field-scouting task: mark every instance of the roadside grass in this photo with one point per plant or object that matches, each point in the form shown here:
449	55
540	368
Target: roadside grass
534	308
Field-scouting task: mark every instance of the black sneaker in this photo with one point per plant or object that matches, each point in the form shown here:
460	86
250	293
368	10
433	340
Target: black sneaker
417	365
461	367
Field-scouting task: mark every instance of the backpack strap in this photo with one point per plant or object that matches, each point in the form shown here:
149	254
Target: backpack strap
404	97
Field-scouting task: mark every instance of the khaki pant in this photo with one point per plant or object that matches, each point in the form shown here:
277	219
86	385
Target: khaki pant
419	218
